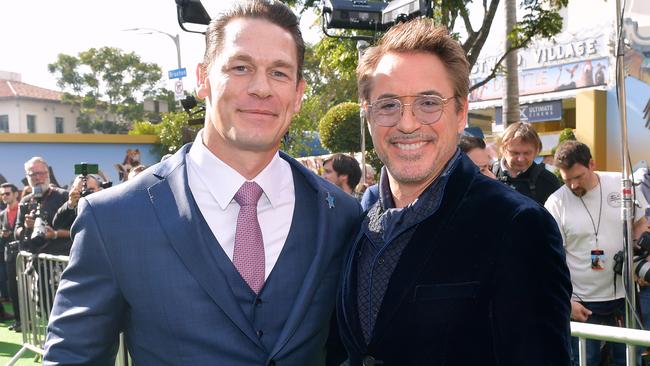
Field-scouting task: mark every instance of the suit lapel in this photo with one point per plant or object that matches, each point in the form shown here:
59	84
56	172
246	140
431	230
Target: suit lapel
180	219
348	298
419	250
317	268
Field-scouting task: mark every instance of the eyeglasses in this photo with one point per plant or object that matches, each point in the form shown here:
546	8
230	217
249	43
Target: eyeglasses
387	112
34	174
5	193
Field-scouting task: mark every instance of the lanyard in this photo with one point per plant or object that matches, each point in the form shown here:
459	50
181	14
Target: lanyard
600	209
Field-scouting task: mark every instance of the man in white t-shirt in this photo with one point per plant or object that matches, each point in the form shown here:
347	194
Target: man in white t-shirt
588	209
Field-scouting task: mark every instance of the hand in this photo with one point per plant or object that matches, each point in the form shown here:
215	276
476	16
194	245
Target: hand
5	233
73	198
29	221
579	312
49	233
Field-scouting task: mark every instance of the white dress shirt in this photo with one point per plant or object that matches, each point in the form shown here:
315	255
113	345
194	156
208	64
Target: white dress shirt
213	184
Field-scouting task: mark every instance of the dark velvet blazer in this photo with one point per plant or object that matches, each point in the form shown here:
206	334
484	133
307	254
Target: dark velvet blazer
483	281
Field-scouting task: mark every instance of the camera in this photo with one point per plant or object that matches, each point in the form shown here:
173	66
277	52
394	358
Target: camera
641	265
84	169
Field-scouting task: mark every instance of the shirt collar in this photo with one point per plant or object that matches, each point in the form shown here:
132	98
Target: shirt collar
223	181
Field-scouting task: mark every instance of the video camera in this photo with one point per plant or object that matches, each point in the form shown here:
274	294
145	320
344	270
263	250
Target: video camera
372	15
84	169
641	265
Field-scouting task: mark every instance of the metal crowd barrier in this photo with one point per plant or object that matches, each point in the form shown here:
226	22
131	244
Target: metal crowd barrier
631	337
38	279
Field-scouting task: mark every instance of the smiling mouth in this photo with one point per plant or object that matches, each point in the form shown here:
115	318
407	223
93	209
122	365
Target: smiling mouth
258	111
411	146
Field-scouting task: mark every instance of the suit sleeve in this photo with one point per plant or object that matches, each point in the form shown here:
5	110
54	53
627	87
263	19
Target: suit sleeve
531	307
88	306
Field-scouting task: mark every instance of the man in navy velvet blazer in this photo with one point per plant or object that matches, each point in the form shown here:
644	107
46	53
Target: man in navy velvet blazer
155	257
450	267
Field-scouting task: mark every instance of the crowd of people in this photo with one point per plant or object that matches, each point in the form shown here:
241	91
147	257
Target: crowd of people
38	219
232	252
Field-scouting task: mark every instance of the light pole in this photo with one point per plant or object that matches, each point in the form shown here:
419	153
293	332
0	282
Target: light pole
174	38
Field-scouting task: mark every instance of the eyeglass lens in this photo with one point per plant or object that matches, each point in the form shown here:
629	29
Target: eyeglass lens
388	112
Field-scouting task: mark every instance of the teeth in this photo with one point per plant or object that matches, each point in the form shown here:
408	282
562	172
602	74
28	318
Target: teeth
410	146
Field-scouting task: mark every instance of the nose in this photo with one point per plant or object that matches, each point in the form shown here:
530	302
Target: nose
407	122
259	85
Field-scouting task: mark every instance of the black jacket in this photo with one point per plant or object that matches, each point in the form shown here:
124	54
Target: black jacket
483	281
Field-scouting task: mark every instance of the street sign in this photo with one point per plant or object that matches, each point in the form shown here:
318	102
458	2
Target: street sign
179	93
178	73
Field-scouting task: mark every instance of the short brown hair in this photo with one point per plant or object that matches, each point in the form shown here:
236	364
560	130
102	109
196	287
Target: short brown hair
570	153
523	131
419	35
274	12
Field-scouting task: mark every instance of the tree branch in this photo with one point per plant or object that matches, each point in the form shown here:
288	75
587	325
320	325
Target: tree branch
474	49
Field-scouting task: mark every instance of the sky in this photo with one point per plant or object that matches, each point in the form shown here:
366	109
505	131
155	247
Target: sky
34	32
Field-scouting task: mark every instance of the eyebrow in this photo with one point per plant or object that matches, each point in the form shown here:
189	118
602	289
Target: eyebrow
249	59
426	92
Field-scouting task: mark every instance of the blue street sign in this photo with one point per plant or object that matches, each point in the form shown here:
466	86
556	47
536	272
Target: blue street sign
178	73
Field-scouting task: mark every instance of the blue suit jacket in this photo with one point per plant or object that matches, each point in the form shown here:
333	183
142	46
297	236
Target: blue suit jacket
483	281
139	265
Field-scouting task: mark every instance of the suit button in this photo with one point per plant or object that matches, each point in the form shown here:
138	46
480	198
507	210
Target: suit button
368	361
271	363
259	333
258	302
380	261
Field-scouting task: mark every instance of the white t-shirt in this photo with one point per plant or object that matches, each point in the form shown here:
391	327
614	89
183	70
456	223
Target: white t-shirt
578	234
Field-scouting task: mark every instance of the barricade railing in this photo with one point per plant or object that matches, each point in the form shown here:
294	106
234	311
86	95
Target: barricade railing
630	337
38	278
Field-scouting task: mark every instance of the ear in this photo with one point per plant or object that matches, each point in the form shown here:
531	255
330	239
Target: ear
364	110
461	116
300	91
202	83
592	165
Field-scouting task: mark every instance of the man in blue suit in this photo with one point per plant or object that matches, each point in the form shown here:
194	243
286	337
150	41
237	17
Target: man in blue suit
450	267
181	261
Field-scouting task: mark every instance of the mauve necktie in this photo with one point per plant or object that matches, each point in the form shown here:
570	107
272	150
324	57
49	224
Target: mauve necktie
248	256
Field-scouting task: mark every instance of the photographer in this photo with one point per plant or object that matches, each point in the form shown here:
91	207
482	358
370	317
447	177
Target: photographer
36	211
81	187
9	286
587	210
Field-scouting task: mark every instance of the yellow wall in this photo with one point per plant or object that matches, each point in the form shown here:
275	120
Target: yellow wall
78	138
591	123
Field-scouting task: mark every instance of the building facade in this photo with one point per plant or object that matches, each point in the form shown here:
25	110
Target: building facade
26	108
570	81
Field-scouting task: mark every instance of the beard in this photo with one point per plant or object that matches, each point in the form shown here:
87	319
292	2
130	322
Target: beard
40	189
579	192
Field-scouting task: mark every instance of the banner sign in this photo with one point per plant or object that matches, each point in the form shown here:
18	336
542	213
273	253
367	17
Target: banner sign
534	112
575	75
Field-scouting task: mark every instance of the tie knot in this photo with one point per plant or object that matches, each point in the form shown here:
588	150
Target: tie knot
248	194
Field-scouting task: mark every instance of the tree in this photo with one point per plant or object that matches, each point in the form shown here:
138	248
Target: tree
339	129
511	102
173	131
541	19
108	85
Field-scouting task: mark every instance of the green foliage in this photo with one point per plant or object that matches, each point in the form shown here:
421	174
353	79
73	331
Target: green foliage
145	128
566	135
107	84
339	129
373	160
173	131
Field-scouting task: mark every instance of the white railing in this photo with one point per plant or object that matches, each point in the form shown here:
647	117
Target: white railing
631	337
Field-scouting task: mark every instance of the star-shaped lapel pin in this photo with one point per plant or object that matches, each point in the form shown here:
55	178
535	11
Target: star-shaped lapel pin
330	200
